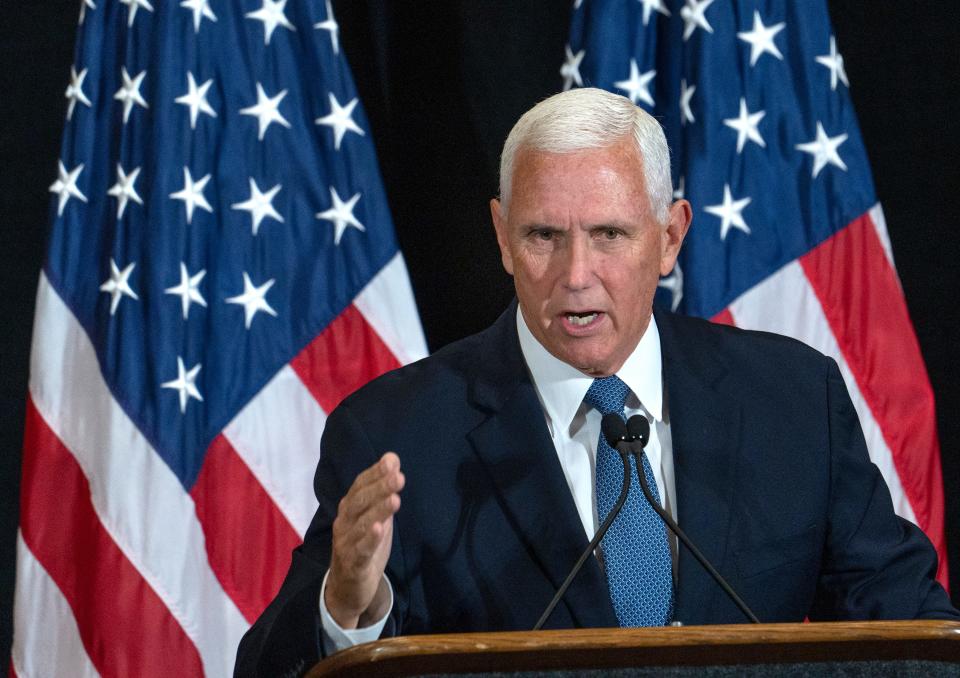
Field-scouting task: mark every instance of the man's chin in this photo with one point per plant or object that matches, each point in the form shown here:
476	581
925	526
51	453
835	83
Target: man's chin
592	363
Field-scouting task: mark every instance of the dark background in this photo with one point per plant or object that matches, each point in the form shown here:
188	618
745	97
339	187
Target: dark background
442	82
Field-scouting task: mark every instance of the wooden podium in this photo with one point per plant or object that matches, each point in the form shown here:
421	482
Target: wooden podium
920	648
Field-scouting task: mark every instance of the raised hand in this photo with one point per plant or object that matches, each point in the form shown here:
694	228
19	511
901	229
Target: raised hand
356	593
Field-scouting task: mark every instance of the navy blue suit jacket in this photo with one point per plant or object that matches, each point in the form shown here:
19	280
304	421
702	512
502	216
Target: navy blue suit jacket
773	484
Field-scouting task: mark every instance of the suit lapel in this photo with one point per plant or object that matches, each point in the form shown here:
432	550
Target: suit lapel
705	428
515	447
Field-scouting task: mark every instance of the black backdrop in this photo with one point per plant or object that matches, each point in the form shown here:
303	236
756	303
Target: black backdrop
442	83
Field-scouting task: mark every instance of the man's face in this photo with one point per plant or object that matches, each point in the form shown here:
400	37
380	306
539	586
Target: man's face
586	252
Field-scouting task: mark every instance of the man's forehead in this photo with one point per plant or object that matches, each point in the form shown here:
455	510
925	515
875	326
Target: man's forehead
610	174
617	164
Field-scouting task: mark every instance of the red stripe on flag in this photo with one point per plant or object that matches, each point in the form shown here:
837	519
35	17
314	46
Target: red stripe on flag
125	627
864	305
248	539
342	358
10	672
724	317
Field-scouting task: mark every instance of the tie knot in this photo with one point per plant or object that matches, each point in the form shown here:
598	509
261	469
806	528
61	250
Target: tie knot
607	395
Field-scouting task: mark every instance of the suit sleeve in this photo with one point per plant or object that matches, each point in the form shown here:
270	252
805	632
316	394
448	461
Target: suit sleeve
286	639
876	564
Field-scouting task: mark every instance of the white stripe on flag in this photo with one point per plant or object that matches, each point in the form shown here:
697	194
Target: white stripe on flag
786	304
45	635
388	305
880	226
138	499
277	434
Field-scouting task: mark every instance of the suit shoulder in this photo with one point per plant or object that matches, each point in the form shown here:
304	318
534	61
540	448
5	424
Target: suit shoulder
740	347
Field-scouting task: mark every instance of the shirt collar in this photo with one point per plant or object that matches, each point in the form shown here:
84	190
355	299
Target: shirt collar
561	388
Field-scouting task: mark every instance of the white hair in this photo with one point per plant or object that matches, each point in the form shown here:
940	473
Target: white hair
587	118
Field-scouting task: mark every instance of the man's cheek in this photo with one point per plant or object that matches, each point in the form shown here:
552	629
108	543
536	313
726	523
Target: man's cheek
533	266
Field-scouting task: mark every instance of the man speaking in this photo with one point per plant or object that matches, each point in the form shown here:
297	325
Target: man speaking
457	493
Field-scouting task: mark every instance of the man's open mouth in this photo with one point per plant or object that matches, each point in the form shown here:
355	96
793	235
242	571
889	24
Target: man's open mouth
582	319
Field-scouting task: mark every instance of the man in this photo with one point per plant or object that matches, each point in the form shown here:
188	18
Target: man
755	447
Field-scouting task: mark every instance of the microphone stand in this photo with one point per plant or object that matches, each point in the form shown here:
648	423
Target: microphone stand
629	439
591	547
637	451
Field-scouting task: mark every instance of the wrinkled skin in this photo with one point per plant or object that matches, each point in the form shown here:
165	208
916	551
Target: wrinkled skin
580	238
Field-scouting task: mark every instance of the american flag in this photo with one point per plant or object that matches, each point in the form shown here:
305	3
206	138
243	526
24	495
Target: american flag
787	233
222	271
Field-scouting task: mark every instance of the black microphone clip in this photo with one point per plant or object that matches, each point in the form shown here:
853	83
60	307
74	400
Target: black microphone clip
635	430
614	430
638	429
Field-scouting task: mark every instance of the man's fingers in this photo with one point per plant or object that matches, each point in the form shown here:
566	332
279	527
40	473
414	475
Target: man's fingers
364	531
362	496
360	546
356	503
371	539
386	465
360	525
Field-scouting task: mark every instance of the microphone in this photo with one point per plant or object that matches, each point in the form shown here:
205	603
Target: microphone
638	431
615	432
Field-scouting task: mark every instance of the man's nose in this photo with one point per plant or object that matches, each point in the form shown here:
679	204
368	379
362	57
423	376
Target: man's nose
578	264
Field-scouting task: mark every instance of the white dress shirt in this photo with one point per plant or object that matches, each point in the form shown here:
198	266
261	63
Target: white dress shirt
574	428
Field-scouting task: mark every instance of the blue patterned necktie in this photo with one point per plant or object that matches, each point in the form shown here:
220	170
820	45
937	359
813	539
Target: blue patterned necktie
636	552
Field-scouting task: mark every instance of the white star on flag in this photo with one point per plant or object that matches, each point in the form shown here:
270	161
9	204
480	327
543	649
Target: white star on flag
729	212
253	299
340	119
686	93
266	110
83	10
649	6
66	185
185	384
196	99
75	91
133	6
637	86
678	192
746	126
129	93
201	10
824	150
673	283
694	16
188	289
124	190
761	38
833	61
341	214
571	69
259	205
118	284
271	14
330	24
192	194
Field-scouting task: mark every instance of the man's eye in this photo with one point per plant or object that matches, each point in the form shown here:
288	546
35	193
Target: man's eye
609	233
543	234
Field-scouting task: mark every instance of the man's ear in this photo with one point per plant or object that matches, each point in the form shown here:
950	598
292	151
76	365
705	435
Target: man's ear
500	226
678	223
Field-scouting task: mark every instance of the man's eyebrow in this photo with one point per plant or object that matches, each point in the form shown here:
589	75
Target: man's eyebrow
538	226
612	223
